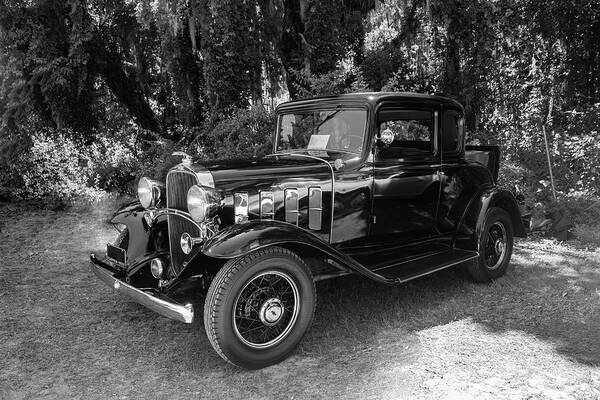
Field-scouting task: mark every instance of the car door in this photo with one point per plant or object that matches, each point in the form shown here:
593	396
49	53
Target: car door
405	176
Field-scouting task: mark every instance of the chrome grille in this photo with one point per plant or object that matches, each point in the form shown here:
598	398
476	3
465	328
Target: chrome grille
178	184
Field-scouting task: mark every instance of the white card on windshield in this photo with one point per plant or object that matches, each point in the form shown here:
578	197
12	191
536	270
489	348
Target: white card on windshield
318	142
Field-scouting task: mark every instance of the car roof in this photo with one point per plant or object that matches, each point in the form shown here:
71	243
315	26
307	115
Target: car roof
369	98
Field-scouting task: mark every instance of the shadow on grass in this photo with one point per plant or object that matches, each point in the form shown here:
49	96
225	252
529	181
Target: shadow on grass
555	300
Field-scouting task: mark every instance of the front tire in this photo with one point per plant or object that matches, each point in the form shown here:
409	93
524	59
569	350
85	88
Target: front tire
495	247
259	306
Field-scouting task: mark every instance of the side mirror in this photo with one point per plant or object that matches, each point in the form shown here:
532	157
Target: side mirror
386	136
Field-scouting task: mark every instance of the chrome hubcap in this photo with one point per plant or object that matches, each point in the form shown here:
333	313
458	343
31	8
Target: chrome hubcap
495	245
271	312
499	246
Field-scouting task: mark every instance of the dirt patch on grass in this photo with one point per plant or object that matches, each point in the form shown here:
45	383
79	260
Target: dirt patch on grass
532	334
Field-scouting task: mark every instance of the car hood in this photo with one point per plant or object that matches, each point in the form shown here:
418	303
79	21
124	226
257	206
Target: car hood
277	173
281	170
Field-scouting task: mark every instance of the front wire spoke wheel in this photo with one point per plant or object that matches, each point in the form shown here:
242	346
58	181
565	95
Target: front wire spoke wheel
259	306
277	297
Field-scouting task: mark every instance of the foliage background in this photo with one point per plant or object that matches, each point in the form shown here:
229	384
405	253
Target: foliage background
94	93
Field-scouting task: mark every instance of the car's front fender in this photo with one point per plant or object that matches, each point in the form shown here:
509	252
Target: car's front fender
144	242
240	239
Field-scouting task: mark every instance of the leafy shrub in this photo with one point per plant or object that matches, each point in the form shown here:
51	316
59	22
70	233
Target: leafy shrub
576	150
245	133
55	169
155	158
112	163
584	211
512	175
574	143
341	80
587	233
119	160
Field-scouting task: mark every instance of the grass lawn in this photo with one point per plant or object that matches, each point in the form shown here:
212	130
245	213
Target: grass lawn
534	334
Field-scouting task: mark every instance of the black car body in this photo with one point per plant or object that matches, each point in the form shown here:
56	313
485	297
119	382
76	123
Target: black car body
375	184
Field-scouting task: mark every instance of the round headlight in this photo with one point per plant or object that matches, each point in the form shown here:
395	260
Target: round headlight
157	268
197	202
203	202
148	192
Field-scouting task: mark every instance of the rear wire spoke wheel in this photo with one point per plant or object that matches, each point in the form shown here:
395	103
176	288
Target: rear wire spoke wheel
259	306
495	247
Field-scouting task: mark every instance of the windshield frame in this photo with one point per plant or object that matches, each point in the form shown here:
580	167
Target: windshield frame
332	108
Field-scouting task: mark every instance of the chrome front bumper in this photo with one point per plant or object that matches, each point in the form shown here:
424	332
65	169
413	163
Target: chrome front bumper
165	307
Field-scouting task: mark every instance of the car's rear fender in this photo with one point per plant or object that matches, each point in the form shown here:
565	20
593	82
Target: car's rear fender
473	219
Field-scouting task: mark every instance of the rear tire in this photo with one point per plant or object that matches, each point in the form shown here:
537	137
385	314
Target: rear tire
259	306
495	246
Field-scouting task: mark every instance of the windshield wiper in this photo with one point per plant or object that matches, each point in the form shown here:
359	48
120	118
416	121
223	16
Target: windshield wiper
327	118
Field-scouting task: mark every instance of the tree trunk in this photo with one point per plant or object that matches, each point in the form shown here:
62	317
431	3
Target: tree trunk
127	91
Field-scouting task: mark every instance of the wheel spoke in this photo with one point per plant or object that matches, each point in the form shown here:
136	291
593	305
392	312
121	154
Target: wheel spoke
246	318
265	334
254	329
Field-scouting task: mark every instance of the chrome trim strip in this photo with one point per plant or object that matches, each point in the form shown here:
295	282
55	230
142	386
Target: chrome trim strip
332	182
411	260
183	313
323	277
461	260
436	130
157	212
453	263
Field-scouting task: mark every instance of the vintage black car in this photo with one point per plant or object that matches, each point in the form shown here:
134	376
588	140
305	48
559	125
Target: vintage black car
374	184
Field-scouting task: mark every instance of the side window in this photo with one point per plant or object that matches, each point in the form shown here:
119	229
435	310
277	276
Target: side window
452	131
412	130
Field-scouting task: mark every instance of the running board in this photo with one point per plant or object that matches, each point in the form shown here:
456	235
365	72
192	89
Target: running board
411	269
400	270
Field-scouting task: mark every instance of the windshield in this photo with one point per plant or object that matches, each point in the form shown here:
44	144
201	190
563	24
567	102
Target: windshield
322	130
